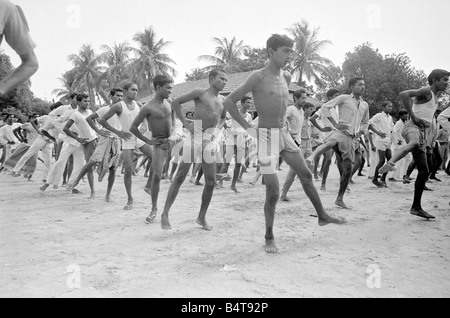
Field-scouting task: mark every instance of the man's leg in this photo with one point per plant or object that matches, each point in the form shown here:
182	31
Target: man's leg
412	142
381	161
297	163
209	171
239	156
326	168
388	155
345	167
318	152
180	176
272	196
437	163
159	156
33	150
422	176
111	179
128	155
56	172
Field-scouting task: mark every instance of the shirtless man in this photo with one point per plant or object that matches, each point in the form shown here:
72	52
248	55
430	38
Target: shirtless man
417	129
270	92
108	145
127	110
209	119
160	119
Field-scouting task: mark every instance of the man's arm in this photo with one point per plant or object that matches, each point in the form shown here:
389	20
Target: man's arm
444	119
115	109
134	128
18	134
406	96
176	106
27	68
90	120
69	133
239	93
313	120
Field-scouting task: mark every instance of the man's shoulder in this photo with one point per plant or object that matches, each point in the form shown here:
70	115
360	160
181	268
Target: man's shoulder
6	7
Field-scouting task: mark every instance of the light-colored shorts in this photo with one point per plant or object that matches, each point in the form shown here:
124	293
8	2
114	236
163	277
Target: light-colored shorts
345	145
382	145
132	143
411	128
272	142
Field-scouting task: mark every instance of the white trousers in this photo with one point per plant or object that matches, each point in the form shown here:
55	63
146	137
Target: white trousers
56	173
39	144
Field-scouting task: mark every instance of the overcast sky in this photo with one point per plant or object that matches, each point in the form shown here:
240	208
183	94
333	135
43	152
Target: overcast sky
60	27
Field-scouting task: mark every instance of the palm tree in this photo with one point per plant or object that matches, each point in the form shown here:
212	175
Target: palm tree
150	60
88	69
307	60
117	59
227	55
68	85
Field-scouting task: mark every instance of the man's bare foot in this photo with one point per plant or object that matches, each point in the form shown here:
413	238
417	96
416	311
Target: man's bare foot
108	199
151	218
44	187
204	224
331	220
234	189
323	187
341	204
284	198
252	183
422	214
270	247
92	196
198	183
148	190
165	224
129	205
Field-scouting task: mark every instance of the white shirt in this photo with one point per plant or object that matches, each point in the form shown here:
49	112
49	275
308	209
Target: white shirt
113	121
295	118
323	121
84	130
383	123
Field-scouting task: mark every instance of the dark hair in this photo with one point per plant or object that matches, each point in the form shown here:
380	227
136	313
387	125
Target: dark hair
214	72
298	93
385	103
244	99
32	115
81	96
276	41
73	95
437	75
402	112
161	80
354	80
308	105
331	92
115	90
56	105
128	85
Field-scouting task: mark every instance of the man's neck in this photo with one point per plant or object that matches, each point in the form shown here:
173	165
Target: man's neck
74	106
273	69
128	101
159	99
214	90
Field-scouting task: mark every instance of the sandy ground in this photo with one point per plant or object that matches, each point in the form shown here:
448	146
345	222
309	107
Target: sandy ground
63	245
